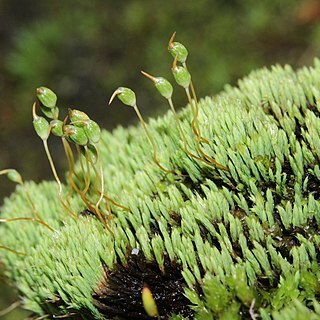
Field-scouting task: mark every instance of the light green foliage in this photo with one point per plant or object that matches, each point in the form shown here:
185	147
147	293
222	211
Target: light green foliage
246	238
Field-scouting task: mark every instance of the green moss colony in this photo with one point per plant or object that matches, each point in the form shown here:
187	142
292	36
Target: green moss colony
209	243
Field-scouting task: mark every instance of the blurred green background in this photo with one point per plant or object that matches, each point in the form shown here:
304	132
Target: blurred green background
84	50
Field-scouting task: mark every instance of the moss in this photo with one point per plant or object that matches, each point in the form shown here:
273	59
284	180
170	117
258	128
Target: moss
227	244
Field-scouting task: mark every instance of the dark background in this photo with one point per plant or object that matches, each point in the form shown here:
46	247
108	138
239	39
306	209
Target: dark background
84	50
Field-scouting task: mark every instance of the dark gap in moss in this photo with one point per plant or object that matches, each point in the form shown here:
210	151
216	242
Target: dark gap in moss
291	179
317	298
244	312
289	194
310	304
130	225
241	215
118	296
312	106
317	249
274	231
266	107
175	219
287	240
206	173
309	229
277	230
86	212
210	174
154	228
153	195
206	235
237	252
264	186
298	130
195	187
183	195
313	187
267	284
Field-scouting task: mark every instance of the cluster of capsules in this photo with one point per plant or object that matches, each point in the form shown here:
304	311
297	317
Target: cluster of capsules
84	133
183	78
78	129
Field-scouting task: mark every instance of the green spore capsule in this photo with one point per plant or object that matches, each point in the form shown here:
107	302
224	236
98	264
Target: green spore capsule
78	117
125	95
178	50
57	127
182	76
47	97
76	134
13	175
163	85
92	131
41	125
